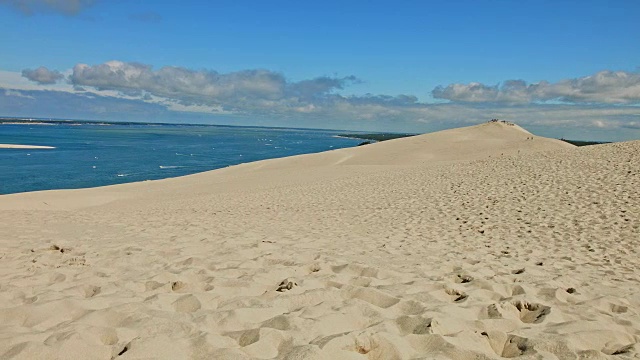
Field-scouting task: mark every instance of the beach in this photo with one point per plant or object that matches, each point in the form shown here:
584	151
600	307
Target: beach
483	242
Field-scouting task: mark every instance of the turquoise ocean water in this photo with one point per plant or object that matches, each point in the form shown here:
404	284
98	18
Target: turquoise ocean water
89	155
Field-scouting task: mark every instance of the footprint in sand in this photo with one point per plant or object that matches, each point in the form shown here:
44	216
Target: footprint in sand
414	325
55	247
124	349
506	345
287	284
177	286
618	309
531	313
30	300
463	279
355	270
187	304
315	267
279	322
152	285
456	295
90	291
493	312
76	261
618	349
377	346
57	277
245	337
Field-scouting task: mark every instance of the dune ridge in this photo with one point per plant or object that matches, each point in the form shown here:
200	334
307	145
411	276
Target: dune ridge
483	242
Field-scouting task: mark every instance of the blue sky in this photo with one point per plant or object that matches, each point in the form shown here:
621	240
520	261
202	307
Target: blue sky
362	65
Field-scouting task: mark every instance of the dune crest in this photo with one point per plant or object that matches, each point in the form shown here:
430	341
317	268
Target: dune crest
467	143
484	242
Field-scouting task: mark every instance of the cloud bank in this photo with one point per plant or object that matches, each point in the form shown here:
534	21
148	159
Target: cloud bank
67	7
248	91
608	87
42	75
603	102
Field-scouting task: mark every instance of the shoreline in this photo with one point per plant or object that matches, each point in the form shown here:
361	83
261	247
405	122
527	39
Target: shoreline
336	156
20	146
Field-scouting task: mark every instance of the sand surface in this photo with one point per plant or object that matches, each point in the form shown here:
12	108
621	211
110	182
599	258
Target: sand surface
484	242
16	146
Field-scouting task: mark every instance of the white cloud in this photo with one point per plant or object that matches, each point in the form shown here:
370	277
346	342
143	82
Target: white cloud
17	93
15	80
42	75
609	87
472	92
246	91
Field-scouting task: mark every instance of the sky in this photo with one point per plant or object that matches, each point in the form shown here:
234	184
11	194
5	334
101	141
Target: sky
558	68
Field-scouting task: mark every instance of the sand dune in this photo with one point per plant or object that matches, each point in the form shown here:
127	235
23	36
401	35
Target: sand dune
484	242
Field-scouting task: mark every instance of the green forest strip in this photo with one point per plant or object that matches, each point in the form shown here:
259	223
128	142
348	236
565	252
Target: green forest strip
585	143
376	137
390	136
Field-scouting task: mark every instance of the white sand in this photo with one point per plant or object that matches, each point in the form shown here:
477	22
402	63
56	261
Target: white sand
16	146
473	243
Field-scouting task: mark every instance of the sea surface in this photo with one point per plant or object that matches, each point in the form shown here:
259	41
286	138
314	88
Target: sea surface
88	155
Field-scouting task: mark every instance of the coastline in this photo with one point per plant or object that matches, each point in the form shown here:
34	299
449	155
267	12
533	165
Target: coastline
160	153
501	246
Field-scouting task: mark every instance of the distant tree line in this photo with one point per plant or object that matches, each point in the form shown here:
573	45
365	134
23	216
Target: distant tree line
584	143
376	136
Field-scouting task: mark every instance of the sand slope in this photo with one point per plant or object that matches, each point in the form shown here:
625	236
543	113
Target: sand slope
473	243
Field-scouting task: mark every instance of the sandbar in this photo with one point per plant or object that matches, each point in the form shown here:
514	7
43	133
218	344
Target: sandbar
17	146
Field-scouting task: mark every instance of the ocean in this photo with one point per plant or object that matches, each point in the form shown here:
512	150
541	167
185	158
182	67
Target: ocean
90	155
